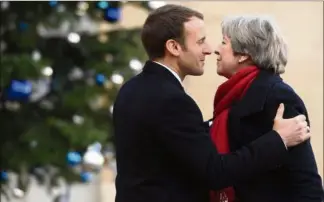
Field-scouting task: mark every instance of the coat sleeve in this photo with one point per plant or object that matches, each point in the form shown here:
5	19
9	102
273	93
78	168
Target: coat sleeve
301	165
184	136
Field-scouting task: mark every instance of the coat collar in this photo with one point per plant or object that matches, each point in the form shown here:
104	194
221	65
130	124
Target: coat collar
255	97
151	67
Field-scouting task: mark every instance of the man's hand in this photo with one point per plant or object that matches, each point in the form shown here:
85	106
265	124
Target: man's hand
293	131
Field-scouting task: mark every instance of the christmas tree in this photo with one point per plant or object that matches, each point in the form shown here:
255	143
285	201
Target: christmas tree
60	72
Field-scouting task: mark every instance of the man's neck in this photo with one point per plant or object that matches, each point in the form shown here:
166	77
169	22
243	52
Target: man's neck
171	66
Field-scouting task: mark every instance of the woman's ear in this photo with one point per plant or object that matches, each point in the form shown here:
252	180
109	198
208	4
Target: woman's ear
243	58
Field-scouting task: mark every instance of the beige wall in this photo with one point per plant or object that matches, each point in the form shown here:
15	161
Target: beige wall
302	25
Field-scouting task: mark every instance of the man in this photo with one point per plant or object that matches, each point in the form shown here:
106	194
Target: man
163	149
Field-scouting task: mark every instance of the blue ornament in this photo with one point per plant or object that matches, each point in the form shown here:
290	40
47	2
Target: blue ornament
103	4
23	26
19	90
112	14
86	176
3	175
100	79
73	158
53	3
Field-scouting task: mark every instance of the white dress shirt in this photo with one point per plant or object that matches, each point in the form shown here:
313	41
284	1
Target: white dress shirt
173	72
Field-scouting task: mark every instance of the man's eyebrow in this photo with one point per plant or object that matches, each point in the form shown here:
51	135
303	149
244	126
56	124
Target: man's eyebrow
202	39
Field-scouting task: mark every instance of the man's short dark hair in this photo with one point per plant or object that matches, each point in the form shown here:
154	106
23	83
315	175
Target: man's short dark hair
164	23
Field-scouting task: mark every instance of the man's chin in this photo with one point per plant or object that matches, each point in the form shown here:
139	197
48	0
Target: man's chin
198	73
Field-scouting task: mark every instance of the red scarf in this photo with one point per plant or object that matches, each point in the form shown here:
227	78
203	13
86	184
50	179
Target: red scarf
230	91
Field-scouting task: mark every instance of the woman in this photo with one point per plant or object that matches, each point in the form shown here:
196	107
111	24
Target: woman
251	56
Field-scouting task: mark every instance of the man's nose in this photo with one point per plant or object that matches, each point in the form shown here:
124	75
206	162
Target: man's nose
208	50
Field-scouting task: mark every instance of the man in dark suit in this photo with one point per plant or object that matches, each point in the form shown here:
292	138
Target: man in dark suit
163	148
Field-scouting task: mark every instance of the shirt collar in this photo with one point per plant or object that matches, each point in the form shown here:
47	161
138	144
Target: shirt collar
173	72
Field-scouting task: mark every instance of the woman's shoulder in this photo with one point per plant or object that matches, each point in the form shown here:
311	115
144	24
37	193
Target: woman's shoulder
274	84
283	92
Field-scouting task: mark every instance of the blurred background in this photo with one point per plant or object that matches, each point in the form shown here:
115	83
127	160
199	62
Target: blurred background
62	64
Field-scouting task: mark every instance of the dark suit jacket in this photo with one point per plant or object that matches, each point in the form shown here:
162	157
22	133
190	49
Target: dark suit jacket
296	179
163	149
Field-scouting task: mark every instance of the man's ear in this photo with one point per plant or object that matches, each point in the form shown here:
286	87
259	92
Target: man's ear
173	47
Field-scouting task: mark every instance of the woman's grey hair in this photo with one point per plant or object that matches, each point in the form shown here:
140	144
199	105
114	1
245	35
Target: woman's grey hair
258	37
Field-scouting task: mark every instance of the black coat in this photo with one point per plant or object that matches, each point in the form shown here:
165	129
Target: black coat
163	148
297	178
